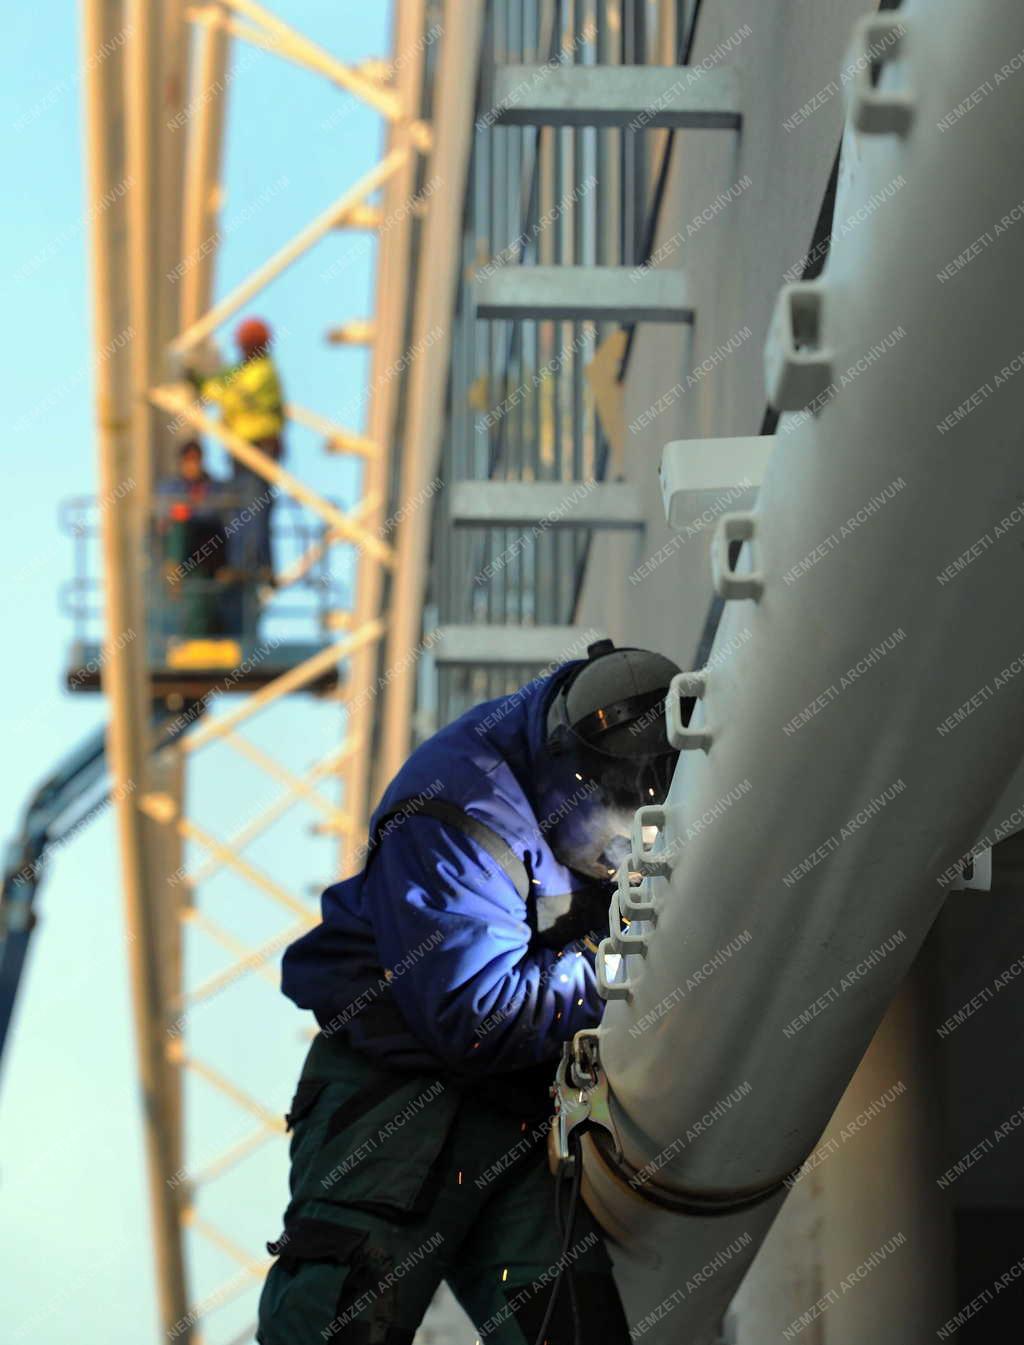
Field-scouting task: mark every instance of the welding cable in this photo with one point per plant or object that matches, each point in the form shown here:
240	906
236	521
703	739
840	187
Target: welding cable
577	1152
574	1203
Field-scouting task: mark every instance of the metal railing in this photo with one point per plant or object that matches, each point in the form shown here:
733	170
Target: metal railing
181	571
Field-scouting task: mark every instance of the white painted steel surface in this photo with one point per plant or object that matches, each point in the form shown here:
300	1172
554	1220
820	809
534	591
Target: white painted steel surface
844	777
597	293
512	646
545	504
631	96
699	475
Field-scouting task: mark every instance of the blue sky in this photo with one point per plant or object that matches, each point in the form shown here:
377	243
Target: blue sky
74	1230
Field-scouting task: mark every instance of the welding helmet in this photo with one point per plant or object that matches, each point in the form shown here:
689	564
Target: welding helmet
605	755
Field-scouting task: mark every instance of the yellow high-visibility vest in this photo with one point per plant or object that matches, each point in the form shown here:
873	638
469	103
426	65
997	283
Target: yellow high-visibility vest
249	396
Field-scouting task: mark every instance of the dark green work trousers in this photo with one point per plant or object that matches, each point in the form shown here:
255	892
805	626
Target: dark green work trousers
400	1181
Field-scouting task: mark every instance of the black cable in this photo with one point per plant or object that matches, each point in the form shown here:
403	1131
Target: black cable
560	1225
574	1307
684	55
574	1203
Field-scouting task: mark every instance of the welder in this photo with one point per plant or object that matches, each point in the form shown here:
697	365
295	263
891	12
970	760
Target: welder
445	977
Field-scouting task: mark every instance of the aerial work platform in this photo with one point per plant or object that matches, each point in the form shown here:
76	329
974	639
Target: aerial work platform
210	628
195	668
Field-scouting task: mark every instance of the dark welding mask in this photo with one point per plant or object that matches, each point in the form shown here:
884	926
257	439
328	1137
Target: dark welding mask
605	755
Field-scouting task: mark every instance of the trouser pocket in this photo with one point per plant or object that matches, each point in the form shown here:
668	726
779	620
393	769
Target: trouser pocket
369	1138
332	1282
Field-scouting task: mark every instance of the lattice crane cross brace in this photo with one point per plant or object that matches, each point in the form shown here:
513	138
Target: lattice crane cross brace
170	214
178	403
319	228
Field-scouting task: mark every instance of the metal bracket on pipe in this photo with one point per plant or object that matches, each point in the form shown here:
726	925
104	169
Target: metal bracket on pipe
797	367
975	873
729	584
649	858
636	900
699	475
580	1092
608	987
877	39
685	686
620	941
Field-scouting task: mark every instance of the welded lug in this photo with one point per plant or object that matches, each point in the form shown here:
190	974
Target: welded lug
685	686
609	984
636	900
650	855
975	872
621	941
877	40
797	365
728	583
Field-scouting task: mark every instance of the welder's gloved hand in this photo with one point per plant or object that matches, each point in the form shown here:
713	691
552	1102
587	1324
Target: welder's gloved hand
484	999
570	917
594	838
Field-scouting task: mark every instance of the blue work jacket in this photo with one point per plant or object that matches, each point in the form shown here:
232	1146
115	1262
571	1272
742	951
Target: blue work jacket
429	957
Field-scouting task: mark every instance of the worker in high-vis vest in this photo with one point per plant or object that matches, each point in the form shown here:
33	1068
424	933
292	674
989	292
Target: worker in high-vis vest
445	976
252	407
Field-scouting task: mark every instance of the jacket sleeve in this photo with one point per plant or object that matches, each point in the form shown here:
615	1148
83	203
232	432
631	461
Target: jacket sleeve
452	932
212	389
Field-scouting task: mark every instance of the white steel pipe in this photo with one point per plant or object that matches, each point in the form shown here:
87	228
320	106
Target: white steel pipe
871	711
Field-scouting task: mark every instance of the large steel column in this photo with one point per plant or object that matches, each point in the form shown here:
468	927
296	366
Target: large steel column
395	251
882	1183
822	847
200	235
123	435
454	99
870	1179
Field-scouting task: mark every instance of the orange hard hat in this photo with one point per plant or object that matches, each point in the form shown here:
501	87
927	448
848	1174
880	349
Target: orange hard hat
252	332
